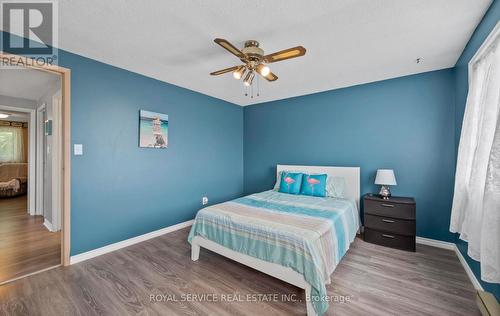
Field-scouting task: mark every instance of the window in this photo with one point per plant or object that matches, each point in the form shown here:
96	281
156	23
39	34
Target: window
476	201
11	144
6	146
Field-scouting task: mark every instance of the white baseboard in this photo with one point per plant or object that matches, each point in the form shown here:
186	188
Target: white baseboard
128	242
453	247
48	225
468	270
436	243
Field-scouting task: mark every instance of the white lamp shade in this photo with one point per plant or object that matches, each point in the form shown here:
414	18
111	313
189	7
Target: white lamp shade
385	177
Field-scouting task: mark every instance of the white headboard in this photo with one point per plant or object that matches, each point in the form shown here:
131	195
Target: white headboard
350	174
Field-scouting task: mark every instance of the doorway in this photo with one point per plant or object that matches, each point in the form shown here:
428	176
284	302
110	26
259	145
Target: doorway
34	218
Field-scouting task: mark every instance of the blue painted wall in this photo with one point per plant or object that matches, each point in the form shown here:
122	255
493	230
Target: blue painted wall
406	124
461	89
120	190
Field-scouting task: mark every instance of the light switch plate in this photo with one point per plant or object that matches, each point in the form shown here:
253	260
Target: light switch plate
78	149
204	200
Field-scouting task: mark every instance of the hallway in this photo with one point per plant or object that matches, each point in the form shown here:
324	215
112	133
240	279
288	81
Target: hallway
26	245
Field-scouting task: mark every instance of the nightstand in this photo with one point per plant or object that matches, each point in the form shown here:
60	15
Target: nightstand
390	222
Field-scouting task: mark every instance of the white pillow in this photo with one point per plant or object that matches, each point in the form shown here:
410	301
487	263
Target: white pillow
334	185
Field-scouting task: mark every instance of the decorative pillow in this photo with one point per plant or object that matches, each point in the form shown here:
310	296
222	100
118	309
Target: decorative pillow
314	185
278	178
335	187
290	182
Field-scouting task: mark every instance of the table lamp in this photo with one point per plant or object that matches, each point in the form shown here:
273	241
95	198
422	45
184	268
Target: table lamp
385	178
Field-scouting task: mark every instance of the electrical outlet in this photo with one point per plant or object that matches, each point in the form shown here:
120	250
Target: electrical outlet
204	200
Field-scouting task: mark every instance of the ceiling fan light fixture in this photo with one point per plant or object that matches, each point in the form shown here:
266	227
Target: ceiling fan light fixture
248	78
263	70
254	60
238	73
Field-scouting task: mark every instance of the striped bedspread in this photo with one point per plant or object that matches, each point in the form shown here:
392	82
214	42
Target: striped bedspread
308	234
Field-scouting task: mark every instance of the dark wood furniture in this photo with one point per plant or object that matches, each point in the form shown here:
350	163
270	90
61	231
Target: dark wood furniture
390	222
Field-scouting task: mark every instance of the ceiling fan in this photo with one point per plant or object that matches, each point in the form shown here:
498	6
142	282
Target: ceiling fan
254	60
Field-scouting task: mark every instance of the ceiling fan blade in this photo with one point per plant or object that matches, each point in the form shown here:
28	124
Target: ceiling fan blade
271	77
223	71
285	54
229	47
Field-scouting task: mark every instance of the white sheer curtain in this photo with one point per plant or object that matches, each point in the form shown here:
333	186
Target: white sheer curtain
12	147
476	202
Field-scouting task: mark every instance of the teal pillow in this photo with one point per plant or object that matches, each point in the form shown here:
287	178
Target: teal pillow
290	182
314	185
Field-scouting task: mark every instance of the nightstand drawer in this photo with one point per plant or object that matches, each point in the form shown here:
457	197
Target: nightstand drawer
392	225
388	208
389	240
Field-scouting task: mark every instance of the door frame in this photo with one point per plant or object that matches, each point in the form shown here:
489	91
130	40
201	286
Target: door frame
65	74
39	159
56	160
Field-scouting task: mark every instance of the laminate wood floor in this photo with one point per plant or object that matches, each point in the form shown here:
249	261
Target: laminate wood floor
377	280
26	246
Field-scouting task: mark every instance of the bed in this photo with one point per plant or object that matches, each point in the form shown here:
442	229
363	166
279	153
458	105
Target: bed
296	238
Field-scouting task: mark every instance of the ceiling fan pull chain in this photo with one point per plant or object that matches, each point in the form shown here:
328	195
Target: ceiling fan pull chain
258	86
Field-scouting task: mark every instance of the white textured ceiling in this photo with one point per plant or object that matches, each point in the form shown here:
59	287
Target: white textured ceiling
348	42
25	83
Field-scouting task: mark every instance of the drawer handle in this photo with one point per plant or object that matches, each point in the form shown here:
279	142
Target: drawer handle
387	236
387	205
387	220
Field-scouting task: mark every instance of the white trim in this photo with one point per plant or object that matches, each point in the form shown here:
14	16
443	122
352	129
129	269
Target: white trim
453	247
485	46
31	153
32	163
57	167
468	270
48	225
39	160
436	243
128	242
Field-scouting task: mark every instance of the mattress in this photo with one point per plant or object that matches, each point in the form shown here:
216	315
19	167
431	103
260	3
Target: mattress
307	234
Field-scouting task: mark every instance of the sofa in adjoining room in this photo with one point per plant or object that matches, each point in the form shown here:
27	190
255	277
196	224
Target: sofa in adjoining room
13	179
